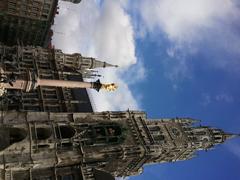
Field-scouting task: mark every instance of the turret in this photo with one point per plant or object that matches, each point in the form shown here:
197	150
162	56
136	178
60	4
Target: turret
179	139
79	63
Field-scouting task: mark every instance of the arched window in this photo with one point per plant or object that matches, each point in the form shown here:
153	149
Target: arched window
218	138
43	133
102	134
16	135
158	138
114	130
154	128
100	131
64	132
176	132
201	133
205	140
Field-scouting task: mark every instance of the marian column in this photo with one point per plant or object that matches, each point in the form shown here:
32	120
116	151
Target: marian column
30	81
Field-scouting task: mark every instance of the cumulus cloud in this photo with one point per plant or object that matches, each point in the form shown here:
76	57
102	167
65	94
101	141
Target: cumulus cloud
101	29
183	20
209	27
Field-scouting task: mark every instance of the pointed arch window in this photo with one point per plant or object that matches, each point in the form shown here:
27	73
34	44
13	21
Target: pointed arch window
218	138
155	130
176	132
104	134
201	133
114	130
159	138
64	132
43	133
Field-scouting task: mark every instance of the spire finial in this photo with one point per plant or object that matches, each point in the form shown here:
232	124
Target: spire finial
109	65
231	135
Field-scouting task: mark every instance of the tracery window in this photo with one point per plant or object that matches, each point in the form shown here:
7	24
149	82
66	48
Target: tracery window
104	134
154	130
176	132
159	138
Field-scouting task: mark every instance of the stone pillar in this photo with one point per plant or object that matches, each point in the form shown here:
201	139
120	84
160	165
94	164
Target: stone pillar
30	81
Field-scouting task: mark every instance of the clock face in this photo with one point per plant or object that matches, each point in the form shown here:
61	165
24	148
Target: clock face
176	132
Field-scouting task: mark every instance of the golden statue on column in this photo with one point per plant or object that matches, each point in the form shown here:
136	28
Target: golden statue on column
29	81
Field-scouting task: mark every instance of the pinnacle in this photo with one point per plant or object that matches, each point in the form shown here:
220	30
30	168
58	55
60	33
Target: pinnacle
231	136
109	65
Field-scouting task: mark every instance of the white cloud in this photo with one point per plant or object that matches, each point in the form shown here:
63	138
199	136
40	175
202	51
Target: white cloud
224	98
103	31
192	26
207	99
183	20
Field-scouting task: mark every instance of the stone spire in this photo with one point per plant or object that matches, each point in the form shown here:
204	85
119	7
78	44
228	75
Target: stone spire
230	136
119	143
179	139
80	63
100	64
204	138
92	63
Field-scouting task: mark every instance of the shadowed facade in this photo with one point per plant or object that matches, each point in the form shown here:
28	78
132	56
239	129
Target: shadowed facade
27	22
49	64
51	145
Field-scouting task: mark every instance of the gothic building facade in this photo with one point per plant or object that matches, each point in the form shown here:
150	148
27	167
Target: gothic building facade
46	134
48	145
52	133
49	64
27	22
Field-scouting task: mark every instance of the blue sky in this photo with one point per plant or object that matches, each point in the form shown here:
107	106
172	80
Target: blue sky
177	58
210	94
